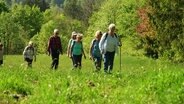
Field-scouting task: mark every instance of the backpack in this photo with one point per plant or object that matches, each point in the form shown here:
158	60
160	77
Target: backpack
27	51
106	34
95	48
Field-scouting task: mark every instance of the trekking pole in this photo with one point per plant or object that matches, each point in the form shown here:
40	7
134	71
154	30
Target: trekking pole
120	44
120	59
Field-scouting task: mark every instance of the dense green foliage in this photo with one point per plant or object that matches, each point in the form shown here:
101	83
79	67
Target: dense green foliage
164	32
81	9
141	81
55	19
19	25
29	22
153	26
121	12
3	7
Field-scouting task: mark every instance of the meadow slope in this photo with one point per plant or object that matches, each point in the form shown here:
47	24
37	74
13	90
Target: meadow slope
141	81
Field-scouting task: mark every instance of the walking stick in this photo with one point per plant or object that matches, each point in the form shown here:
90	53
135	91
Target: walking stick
120	59
120	44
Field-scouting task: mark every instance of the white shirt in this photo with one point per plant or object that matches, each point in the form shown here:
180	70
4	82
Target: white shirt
109	44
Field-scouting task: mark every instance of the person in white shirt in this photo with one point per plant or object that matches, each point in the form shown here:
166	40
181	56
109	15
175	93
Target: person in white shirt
108	46
29	53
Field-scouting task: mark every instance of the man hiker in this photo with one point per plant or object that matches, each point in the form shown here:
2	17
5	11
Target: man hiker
55	48
108	46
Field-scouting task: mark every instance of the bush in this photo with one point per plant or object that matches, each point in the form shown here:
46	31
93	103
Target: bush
164	27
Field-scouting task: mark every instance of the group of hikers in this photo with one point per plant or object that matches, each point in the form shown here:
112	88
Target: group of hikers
103	47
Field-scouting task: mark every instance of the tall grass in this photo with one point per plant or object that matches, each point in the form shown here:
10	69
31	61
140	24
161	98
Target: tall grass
140	81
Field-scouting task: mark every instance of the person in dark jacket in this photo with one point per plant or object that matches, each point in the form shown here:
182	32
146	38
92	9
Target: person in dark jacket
55	48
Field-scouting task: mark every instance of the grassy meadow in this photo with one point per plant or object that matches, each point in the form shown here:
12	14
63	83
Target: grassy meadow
141	81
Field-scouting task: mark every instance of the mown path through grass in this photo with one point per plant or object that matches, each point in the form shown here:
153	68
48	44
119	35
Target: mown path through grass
140	81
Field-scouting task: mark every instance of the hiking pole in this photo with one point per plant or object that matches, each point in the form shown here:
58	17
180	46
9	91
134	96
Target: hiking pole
120	44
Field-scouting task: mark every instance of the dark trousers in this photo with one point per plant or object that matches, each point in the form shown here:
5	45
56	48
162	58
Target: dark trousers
77	59
108	60
97	61
72	61
55	59
29	62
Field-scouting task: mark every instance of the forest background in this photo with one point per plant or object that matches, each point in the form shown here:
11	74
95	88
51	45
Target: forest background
153	28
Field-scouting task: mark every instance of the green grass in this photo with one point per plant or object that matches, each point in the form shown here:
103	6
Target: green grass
141	81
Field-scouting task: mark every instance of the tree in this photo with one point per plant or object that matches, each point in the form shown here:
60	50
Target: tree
122	13
54	18
81	9
12	34
30	18
73	9
3	7
166	20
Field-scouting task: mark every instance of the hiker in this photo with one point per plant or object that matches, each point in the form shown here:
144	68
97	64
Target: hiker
94	52
1	53
55	48
108	46
73	37
76	51
29	54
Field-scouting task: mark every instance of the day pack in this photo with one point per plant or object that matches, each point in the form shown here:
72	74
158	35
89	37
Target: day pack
95	48
106	34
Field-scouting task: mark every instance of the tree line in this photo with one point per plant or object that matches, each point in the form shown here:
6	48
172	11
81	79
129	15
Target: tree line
23	20
155	26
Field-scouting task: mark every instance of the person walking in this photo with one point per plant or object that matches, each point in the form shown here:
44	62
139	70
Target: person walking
108	46
94	51
76	51
55	48
73	37
29	54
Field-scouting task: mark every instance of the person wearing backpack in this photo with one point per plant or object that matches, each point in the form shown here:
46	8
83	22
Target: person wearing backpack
76	51
108	46
73	37
94	51
55	48
29	54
